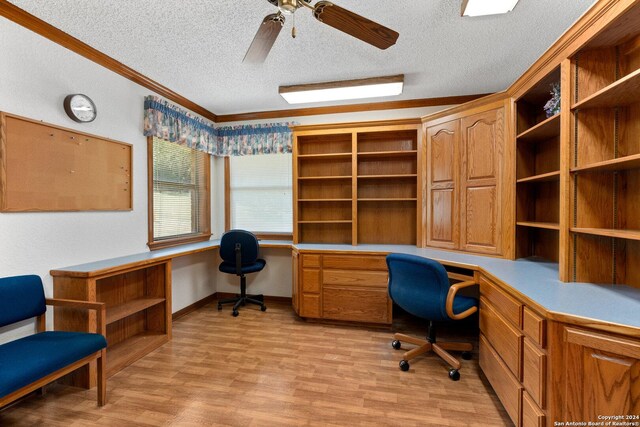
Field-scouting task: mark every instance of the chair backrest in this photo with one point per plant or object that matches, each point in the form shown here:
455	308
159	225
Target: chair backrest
249	246
21	298
418	285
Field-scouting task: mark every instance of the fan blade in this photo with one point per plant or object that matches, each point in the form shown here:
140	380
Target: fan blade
264	38
355	25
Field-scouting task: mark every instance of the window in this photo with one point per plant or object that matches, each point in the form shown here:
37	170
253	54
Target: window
179	208
260	193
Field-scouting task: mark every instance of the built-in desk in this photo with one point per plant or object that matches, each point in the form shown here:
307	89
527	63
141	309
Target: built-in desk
137	291
540	339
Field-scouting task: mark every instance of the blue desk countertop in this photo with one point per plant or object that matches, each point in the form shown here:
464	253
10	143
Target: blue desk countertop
535	279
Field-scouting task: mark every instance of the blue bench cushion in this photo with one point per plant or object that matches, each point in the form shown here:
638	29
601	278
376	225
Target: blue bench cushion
21	297
28	359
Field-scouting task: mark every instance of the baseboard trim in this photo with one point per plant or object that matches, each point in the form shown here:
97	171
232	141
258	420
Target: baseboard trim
219	295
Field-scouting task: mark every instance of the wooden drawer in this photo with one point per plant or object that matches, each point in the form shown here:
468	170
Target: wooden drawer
534	326
509	307
346	262
310	305
311	260
377	279
503	382
506	339
310	280
356	304
534	371
532	416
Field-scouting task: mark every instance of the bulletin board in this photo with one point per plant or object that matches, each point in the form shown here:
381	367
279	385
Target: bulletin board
49	168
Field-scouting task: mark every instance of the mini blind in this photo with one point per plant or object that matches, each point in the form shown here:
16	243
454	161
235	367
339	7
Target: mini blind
261	196
180	191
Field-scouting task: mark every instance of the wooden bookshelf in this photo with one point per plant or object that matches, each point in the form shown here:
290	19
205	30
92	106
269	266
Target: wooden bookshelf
538	173
351	180
605	160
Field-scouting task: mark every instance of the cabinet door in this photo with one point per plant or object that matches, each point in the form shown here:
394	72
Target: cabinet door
603	376
442	184
482	144
294	288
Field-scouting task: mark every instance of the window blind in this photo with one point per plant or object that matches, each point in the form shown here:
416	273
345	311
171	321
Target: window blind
261	195
180	191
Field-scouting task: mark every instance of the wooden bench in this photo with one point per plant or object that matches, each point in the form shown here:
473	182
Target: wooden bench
31	362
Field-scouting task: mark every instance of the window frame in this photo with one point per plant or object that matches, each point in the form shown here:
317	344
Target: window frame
264	235
175	241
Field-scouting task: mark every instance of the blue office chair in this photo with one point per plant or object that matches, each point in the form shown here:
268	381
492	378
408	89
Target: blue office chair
239	253
421	287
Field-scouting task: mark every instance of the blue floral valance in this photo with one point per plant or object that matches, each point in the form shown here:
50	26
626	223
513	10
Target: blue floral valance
167	121
243	140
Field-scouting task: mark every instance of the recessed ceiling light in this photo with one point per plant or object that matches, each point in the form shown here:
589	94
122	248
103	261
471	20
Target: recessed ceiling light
343	90
487	7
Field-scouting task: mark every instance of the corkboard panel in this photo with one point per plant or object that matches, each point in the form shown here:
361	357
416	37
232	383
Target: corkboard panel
47	168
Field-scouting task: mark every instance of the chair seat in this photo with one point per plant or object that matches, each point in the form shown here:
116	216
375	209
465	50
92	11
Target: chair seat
228	267
42	354
462	303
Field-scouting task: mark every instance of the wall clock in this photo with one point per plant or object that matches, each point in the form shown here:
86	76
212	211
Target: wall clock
80	108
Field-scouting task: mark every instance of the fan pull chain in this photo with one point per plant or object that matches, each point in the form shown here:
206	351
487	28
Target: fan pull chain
293	29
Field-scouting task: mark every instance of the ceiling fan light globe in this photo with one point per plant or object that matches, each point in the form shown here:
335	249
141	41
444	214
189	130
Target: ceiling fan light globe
287	7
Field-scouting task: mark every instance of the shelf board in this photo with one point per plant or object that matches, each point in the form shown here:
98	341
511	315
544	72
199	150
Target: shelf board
324	200
619	164
309	178
609	232
551	176
120	311
544	130
329	221
389	199
395	176
545	225
325	156
384	154
131	349
622	92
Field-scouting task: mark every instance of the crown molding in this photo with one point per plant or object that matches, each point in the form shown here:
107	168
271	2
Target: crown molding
38	26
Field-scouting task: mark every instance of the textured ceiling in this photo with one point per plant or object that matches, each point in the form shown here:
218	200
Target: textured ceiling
196	47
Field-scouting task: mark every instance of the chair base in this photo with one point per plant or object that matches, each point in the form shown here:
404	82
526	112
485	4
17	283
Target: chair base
429	344
242	301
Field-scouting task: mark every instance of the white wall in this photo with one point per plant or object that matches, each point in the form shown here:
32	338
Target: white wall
35	76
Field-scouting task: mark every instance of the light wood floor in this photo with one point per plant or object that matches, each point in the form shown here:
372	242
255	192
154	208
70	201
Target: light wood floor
273	369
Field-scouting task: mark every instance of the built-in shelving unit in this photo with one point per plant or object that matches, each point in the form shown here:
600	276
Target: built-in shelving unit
538	173
605	160
353	181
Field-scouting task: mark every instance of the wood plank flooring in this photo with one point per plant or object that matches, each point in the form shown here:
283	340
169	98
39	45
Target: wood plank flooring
274	369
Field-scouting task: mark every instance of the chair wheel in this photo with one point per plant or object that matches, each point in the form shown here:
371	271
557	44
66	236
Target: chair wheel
219	306
404	365
396	344
454	374
263	308
235	313
466	355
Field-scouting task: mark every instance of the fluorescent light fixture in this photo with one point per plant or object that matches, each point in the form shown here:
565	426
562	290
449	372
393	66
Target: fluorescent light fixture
343	90
487	7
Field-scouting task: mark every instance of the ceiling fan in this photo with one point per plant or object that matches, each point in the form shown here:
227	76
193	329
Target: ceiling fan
325	12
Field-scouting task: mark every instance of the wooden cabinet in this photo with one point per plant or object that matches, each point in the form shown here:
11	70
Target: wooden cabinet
138	305
443	155
594	373
343	287
512	353
482	140
464	182
352	180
